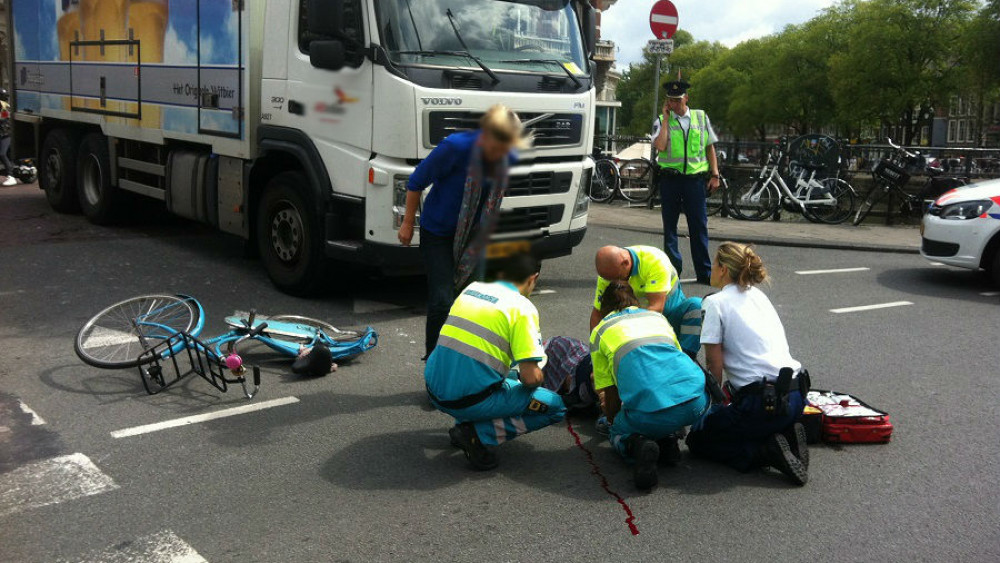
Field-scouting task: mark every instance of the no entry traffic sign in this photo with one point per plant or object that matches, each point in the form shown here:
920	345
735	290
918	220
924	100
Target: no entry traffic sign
663	19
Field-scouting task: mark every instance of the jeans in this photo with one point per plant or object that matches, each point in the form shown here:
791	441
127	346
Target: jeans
4	159
679	192
439	263
733	434
510	412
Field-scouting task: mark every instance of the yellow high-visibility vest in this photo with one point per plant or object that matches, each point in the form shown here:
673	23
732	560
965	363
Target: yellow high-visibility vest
686	152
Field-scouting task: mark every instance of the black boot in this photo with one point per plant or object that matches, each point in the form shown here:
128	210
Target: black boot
777	453
480	457
646	453
670	451
796	435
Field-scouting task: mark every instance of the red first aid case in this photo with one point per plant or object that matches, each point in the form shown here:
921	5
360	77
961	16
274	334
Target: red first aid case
846	419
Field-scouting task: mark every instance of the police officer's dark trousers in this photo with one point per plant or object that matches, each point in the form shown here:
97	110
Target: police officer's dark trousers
734	434
679	192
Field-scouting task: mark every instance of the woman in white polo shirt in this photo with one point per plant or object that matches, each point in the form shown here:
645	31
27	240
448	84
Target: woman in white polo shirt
744	338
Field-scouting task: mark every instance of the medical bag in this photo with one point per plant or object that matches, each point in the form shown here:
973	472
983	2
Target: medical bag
846	419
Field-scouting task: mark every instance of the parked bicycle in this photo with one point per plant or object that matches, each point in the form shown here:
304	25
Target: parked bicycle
718	201
825	200
158	334
890	176
631	180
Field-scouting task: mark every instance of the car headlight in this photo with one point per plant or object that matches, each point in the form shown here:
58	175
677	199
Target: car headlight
966	209
583	196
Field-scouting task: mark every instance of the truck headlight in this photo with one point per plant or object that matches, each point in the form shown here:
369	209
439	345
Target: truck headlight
583	196
966	210
399	199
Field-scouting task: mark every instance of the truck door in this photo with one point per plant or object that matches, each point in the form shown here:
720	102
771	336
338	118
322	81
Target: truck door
334	108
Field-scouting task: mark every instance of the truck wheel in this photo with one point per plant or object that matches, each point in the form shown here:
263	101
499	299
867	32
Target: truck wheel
97	195
288	236
58	171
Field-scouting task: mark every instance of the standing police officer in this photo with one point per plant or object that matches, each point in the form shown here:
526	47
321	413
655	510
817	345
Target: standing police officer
686	144
491	328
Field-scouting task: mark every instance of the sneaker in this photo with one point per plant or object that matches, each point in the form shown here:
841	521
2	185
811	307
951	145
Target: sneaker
670	451
778	454
10	181
796	435
646	453
602	426
480	457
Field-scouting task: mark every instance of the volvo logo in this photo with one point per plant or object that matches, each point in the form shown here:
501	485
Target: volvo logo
441	101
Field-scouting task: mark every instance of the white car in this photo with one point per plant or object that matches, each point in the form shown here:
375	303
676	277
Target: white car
962	228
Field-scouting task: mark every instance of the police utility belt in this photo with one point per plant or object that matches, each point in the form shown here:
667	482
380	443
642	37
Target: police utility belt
774	394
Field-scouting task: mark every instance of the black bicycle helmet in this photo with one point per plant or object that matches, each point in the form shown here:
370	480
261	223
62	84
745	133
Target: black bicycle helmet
314	363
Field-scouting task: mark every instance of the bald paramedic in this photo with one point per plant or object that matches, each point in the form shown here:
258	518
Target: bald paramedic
491	328
654	280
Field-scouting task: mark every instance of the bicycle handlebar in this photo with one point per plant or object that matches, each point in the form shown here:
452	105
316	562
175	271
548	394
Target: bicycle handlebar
905	152
255	332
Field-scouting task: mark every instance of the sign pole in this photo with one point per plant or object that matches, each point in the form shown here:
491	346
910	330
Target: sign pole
656	103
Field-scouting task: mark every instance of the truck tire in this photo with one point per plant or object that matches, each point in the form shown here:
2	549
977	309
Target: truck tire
98	198
289	236
57	174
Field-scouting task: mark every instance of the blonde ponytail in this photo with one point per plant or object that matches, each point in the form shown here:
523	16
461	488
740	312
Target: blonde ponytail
746	269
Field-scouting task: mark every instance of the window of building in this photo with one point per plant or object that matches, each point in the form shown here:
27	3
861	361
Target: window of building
958	106
353	32
952	106
960	136
952	127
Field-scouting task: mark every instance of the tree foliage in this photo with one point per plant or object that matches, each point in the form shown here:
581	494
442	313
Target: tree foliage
853	67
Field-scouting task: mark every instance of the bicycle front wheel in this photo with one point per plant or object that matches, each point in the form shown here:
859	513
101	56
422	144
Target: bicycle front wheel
605	181
870	200
832	212
636	180
118	335
715	201
755	202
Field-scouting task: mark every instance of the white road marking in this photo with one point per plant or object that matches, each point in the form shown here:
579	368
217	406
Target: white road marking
51	481
937	264
174	423
545	292
834	271
35	419
161	547
101	337
990	293
688	280
871	307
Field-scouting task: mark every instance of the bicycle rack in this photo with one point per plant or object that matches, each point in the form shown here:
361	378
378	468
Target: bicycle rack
174	359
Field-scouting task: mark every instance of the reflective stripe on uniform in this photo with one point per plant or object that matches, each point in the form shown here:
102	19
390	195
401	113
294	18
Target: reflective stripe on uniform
471	351
691	329
600	330
693	314
500	430
482	332
621	352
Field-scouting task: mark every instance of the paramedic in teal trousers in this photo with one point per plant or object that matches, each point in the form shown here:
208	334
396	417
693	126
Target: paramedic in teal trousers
491	328
650	388
651	275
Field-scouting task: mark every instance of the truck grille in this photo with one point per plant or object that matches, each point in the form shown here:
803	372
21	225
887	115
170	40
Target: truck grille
528	218
539	183
560	129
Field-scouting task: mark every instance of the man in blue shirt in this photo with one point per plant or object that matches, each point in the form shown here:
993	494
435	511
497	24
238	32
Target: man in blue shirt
468	171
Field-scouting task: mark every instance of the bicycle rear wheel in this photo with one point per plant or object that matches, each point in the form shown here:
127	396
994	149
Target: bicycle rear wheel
838	211
870	200
117	336
605	181
636	180
755	202
715	201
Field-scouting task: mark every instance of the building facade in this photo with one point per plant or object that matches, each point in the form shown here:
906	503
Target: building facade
606	80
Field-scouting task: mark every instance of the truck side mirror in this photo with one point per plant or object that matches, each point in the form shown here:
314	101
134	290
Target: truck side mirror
590	30
325	17
327	54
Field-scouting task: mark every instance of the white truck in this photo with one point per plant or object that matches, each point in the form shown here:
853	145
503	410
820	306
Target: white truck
294	124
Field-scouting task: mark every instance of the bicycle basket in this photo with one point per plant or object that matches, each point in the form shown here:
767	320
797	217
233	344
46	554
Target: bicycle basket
890	173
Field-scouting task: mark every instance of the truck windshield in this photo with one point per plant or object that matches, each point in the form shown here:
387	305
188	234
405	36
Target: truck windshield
500	34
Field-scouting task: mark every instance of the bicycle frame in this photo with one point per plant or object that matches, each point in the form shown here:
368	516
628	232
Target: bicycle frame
770	176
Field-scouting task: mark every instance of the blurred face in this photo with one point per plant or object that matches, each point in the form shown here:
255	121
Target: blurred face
493	149
720	275
677	105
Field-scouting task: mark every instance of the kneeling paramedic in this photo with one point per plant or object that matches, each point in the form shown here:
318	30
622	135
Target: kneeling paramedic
651	389
651	275
491	328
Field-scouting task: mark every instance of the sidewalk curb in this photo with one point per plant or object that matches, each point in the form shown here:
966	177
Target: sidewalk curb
773	241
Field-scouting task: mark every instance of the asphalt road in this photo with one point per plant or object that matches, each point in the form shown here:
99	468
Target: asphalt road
359	469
